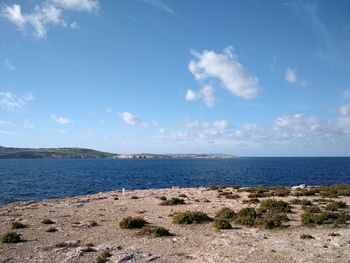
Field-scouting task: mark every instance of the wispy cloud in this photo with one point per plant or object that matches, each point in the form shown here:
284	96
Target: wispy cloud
10	133
7	64
160	5
61	120
310	13
12	102
225	67
133	120
27	124
79	5
292	77
46	14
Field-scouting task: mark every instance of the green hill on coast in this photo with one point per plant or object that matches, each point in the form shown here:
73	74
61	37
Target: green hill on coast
51	153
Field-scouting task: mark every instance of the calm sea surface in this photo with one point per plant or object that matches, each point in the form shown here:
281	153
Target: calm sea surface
28	179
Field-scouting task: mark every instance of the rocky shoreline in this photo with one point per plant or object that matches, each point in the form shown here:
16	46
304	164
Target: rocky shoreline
88	228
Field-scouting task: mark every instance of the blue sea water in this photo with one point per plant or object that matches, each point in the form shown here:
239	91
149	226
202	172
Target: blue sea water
37	179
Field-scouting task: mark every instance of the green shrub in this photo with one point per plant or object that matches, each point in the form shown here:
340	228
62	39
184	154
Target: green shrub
306	236
303	202
155	232
225	213
246	216
51	229
88	249
326	217
47	221
312	209
191	217
11	237
334	206
132	222
222	224
18	225
276	205
103	257
93	223
253	200
173	201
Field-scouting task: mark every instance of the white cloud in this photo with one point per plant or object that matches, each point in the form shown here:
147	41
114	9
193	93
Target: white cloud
160	5
108	109
9	65
46	14
344	118
205	93
132	120
346	94
291	77
61	120
12	102
10	133
27	124
225	67
79	5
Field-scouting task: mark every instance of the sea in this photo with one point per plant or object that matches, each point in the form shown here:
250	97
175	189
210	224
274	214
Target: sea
38	179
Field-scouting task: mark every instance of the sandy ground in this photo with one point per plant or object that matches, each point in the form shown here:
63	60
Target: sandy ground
191	243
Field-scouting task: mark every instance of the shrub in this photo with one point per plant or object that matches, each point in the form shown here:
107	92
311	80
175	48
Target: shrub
281	192
90	244
191	217
312	209
276	205
232	196
253	200
47	221
222	224
306	236
155	232
334	206
11	237
88	249
303	202
326	217
163	198
183	195
225	213
103	257
246	216
132	222
93	223
51	229
134	197
18	225
173	201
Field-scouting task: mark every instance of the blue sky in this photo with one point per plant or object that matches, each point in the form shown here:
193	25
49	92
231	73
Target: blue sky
250	78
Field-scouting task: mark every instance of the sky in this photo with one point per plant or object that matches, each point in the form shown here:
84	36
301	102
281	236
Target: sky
248	78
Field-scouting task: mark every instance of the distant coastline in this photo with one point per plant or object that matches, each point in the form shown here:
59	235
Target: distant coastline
82	153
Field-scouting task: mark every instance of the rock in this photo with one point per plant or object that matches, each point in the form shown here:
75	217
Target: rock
297	187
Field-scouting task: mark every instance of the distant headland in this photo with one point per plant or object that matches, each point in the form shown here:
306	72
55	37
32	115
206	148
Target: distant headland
82	153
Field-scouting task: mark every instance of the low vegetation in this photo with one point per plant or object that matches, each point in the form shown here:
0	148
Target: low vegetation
225	213
330	191
51	230
155	231
173	201
325	217
11	237
103	257
191	217
334	206
132	223
246	217
222	224
306	236
47	221
303	202
18	225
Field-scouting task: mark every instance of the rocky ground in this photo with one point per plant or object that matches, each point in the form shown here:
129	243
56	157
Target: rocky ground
75	220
